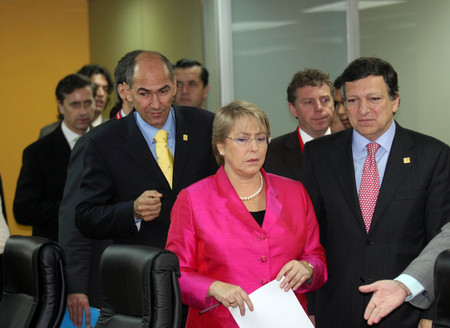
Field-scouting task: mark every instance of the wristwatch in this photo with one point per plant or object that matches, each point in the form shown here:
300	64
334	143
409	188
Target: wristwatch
310	265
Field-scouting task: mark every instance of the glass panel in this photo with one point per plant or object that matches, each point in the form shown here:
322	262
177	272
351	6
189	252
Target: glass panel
413	36
273	40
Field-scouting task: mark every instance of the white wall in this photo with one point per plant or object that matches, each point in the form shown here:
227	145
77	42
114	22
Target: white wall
272	40
414	38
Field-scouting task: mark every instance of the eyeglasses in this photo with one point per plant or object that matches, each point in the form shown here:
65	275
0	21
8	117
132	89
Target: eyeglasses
246	141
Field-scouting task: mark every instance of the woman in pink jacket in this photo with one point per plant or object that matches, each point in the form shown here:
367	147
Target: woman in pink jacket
241	228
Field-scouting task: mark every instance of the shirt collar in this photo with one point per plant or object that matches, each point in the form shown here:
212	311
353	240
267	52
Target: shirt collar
306	137
149	131
97	121
359	142
70	136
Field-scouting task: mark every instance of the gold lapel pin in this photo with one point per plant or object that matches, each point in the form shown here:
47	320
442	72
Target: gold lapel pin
185	137
406	160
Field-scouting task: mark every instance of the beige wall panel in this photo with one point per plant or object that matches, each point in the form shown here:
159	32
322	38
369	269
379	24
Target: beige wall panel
172	27
41	42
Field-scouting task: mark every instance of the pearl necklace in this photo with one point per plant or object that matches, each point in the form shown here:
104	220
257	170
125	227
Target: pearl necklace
257	191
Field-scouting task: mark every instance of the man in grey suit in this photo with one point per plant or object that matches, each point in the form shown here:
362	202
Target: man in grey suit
380	192
415	285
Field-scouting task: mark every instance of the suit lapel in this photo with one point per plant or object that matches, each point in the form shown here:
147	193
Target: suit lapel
183	144
273	207
341	158
232	202
60	144
136	147
396	171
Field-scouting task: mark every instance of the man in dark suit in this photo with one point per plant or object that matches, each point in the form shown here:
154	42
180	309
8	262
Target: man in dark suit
83	254
376	213
310	98
124	194
41	181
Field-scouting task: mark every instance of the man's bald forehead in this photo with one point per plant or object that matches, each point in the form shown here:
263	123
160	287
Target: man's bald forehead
152	58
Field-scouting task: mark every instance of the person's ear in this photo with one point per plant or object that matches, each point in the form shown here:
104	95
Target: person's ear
127	92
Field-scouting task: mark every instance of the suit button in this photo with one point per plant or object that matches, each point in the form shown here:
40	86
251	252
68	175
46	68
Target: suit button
370	242
263	258
262	237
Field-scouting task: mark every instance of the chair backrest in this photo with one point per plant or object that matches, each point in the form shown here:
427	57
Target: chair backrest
34	293
139	288
442	290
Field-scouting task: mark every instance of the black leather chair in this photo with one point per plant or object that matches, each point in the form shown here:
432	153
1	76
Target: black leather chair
34	292
442	290
139	288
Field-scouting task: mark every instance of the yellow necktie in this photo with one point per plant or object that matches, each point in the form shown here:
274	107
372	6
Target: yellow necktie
163	155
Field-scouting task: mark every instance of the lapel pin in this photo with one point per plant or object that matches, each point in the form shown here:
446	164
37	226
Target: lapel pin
185	137
406	160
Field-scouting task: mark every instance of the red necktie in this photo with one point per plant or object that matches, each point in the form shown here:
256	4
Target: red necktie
370	185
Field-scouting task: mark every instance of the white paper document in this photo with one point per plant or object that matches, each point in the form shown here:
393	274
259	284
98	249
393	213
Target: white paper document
273	307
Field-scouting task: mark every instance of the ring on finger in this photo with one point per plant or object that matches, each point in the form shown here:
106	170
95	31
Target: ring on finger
233	302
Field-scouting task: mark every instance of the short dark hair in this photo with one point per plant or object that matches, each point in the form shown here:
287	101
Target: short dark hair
338	83
89	70
366	66
307	77
120	72
187	63
72	82
130	68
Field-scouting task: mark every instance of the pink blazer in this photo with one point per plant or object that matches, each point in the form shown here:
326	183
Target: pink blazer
216	238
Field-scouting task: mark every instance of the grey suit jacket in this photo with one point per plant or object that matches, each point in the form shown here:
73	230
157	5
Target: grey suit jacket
46	130
422	268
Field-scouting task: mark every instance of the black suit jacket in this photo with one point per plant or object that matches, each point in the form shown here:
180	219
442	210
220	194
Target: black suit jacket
41	184
119	167
284	156
412	206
